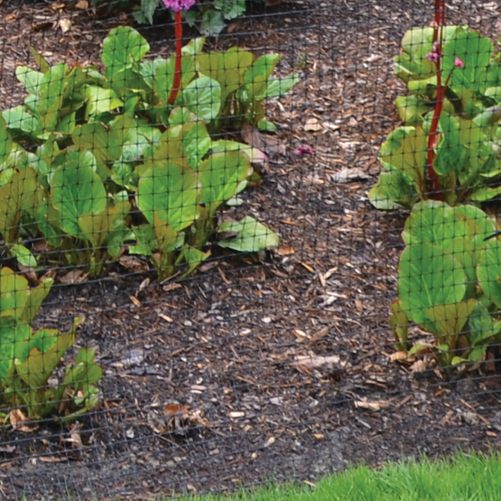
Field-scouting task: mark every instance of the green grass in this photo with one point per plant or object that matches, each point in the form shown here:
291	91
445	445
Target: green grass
463	478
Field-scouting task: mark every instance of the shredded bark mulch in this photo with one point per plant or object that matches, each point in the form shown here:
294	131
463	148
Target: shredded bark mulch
267	367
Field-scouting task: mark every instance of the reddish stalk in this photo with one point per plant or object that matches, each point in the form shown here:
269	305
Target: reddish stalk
176	84
436	192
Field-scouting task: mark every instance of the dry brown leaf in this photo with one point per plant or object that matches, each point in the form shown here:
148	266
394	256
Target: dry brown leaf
134	264
52	459
74	277
65	25
29	272
18	421
82	4
418	366
264	142
374	405
399	355
57	6
171	287
285	251
346	175
312	125
305	363
135	300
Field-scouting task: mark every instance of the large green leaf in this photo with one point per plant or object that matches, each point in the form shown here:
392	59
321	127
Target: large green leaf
195	143
168	191
101	100
482	325
38	366
393	190
123	46
251	235
19	120
475	52
77	191
411	109
5	141
31	79
449	319
203	97
164	70
51	95
450	153
96	228
18	196
12	334
221	174
428	277
406	150
489	271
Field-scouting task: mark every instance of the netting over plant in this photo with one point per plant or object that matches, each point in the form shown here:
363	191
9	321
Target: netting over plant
263	254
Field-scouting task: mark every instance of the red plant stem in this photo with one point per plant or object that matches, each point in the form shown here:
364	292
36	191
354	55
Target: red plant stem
176	84
436	192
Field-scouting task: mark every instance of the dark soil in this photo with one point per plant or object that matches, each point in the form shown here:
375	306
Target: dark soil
222	345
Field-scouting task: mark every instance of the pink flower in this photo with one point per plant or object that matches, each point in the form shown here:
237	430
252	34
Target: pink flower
435	54
179	5
304	149
458	63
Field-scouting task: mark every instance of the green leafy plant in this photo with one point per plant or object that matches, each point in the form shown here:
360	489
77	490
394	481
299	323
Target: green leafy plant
139	156
28	359
448	282
448	147
209	16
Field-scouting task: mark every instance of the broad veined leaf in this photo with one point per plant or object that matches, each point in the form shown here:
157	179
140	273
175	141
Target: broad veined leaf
428	277
393	190
12	334
251	235
168	191
202	96
475	53
411	109
221	174
77	191
19	120
123	46
195	143
5	141
30	79
406	150
97	227
18	197
23	255
489	271
482	325
51	95
101	100
450	319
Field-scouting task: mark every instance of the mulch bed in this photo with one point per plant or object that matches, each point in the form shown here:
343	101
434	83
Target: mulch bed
221	349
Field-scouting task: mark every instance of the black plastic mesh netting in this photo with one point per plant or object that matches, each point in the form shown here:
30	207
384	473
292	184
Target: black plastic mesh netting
259	255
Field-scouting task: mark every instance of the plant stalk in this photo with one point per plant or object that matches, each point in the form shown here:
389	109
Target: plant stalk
176	85
436	192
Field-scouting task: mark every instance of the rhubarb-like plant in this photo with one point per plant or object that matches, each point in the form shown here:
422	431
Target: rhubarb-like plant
448	147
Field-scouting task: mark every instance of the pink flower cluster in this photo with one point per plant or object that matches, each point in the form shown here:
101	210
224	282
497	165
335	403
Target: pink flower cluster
434	55
179	5
304	149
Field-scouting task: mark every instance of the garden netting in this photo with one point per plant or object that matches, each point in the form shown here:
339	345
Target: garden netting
244	241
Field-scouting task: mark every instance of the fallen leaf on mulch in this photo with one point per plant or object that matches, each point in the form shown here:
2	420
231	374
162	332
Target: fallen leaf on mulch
65	25
306	363
74	277
134	264
399	355
18	421
375	405
312	125
52	459
29	272
178	419
346	175
83	5
261	141
418	366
